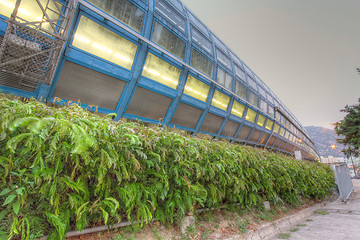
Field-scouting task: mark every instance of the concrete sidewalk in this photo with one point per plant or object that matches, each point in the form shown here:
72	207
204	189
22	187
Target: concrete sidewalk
340	221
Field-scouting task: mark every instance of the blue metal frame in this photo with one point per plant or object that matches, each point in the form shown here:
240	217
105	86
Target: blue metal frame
134	79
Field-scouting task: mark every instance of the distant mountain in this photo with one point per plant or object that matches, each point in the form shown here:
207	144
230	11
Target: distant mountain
324	138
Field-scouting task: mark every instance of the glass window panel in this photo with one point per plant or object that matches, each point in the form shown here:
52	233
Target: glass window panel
220	44
201	63
282	131
253	99
247	69
161	71
200	39
262	92
252	83
196	89
238	109
220	100
240	89
276	128
263	105
30	11
269	124
100	41
170	14
122	10
177	4
168	40
271	111
240	72
198	24
224	79
223	58
287	134
261	120
251	115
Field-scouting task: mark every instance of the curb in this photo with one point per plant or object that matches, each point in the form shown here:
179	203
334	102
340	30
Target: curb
270	229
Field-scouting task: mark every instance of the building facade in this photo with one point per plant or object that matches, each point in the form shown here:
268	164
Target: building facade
148	60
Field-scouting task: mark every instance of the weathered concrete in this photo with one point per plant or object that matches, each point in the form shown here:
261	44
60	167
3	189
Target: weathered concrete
341	222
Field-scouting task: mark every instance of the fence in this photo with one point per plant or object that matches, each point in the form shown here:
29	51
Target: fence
343	180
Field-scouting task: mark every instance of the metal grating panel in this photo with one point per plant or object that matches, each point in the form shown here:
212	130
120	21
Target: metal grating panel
244	132
264	138
255	136
89	86
271	141
230	128
186	115
11	80
148	104
212	123
277	143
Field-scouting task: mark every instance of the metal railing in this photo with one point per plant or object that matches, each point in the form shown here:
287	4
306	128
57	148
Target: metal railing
343	180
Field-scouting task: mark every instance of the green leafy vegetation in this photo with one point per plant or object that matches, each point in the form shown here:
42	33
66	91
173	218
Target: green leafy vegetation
322	212
350	130
284	235
65	168
294	229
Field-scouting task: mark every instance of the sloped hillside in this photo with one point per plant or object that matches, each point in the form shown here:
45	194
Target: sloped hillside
324	138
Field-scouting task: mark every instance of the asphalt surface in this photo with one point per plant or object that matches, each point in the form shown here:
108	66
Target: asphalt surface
337	220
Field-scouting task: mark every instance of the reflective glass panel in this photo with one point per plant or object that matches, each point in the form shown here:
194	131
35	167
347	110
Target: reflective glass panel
238	109
30	11
263	105
282	131
262	92
223	58
100	41
170	14
252	83
271	111
168	40
198	24
122	10
161	71
220	100
240	72
261	120
269	124
251	115
196	89
253	99
276	128
200	39
240	89
201	63
224	79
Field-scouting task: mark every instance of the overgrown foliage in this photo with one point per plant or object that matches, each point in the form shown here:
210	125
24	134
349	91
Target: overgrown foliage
349	127
66	168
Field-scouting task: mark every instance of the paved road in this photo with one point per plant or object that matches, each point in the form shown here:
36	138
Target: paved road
341	222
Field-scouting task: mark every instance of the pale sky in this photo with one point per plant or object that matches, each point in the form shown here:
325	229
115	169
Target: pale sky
306	51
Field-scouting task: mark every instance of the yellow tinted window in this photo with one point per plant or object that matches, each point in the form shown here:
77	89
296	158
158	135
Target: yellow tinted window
261	120
29	10
196	89
95	39
276	128
269	124
220	100
250	115
238	109
282	131
161	71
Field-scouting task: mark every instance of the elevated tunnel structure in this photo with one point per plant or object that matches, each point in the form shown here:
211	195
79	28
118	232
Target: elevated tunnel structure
148	60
